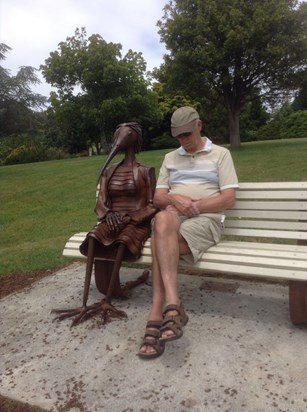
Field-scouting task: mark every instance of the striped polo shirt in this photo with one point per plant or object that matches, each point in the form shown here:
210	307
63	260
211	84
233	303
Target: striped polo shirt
199	175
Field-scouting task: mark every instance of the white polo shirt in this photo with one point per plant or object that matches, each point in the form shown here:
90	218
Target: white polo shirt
200	175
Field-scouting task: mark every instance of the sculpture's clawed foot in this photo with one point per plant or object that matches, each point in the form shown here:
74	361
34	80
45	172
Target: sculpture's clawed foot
126	288
104	308
108	311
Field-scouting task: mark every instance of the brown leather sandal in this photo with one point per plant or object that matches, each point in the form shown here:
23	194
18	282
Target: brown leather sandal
152	339
173	323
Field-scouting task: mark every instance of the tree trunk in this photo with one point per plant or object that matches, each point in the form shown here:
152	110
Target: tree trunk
234	128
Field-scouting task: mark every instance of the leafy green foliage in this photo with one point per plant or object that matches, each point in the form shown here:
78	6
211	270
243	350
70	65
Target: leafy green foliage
300	101
295	125
24	148
97	88
233	50
17	101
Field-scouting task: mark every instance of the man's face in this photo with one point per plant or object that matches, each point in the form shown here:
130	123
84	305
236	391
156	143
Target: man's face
192	141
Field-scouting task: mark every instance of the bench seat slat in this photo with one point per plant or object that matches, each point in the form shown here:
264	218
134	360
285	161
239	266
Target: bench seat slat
259	251
261	258
256	271
256	260
221	253
237	269
265	258
72	252
225	246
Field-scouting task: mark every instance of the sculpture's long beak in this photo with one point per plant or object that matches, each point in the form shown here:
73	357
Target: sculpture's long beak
115	149
124	138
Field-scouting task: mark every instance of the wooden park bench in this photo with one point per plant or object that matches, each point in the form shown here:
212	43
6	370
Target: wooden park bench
265	236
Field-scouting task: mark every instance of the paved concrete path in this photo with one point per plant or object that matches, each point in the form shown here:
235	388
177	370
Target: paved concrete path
239	351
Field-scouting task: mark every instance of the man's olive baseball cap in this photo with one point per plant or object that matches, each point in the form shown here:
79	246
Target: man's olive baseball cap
183	120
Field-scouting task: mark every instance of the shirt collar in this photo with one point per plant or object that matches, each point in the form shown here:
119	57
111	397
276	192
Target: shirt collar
207	147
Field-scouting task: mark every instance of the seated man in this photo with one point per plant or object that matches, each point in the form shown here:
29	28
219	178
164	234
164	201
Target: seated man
196	183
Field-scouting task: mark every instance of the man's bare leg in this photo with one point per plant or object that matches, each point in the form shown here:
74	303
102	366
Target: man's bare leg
158	295
166	249
166	245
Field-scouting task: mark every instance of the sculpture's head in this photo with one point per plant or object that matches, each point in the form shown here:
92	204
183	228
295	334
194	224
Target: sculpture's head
127	135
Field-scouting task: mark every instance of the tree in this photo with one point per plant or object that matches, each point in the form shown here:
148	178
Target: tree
233	50
300	101
105	88
160	136
17	100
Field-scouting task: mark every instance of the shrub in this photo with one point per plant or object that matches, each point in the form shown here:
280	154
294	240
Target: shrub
163	142
54	153
5	150
25	154
23	148
270	131
295	125
292	125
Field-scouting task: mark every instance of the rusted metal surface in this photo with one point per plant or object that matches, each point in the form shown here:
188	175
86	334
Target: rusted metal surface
124	209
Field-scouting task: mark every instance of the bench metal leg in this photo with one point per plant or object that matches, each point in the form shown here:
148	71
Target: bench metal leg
298	301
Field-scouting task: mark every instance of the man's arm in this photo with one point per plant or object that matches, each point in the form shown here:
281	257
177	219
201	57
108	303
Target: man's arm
187	206
163	198
225	200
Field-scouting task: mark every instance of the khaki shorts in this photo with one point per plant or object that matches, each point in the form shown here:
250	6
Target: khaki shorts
200	232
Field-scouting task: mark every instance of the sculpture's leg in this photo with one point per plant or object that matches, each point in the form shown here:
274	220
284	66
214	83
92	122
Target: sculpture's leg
143	278
298	301
115	271
103	273
89	269
80	311
105	305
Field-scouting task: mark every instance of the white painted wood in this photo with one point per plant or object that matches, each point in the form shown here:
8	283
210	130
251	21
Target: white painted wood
277	234
268	214
266	224
273	185
282	195
270	205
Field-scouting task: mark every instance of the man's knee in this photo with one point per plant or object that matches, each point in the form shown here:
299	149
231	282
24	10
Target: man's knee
165	221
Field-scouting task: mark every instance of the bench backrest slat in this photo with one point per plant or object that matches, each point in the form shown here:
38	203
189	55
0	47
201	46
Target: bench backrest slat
288	186
271	205
267	214
266	224
272	194
269	210
276	234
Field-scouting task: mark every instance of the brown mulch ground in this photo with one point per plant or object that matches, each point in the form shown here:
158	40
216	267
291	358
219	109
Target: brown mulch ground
15	283
10	405
11	284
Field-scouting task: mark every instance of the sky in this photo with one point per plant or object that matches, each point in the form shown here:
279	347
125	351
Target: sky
34	28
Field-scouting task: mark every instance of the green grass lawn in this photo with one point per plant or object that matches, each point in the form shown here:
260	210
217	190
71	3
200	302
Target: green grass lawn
43	204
